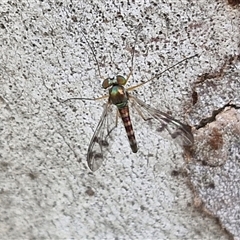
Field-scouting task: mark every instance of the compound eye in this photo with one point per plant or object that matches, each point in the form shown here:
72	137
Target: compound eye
108	82
121	80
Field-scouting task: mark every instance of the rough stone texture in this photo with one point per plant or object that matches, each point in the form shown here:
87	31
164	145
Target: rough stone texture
49	52
215	169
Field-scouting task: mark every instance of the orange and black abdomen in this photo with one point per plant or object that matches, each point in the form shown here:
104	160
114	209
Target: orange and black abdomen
124	112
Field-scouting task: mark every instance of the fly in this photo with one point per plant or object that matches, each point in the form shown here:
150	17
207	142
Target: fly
122	99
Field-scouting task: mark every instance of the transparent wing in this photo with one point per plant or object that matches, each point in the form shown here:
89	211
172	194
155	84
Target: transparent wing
163	122
99	143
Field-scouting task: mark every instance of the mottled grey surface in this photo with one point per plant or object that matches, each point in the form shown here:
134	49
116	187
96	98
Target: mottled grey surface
215	169
46	188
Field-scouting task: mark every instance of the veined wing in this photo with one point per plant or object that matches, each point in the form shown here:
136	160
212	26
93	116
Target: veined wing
163	122
99	141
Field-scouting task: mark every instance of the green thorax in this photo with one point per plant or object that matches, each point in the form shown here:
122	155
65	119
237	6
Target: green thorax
117	93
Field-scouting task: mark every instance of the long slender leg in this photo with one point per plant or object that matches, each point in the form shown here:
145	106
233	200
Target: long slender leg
158	75
132	59
94	55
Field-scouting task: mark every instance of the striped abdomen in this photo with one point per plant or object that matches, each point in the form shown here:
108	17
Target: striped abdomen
124	112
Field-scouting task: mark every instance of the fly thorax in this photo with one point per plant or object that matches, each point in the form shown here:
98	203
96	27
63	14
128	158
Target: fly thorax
118	96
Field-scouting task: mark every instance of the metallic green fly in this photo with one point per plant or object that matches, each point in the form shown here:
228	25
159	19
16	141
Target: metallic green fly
122	99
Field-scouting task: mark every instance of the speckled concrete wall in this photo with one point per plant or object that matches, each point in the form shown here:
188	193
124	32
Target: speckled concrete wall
55	50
